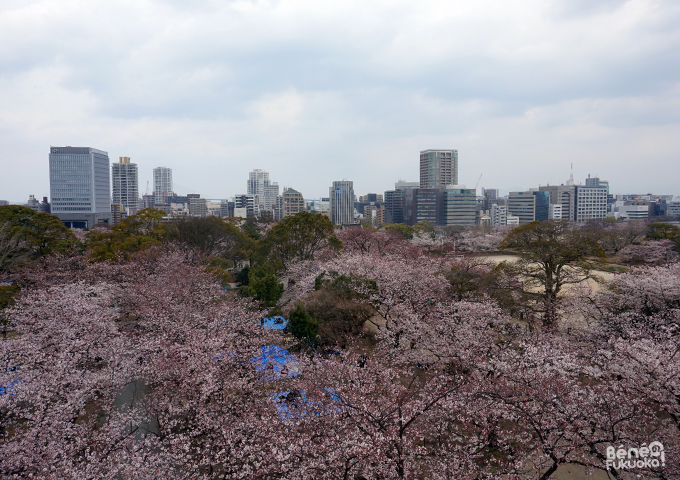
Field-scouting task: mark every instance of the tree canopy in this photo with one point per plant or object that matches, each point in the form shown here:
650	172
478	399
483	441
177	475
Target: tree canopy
298	237
39	232
553	253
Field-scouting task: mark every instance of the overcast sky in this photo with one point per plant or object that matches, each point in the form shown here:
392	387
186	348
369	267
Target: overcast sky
319	90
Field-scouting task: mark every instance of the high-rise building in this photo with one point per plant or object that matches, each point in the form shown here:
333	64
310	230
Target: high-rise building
265	190
125	185
394	206
341	196
422	205
80	186
458	205
162	184
438	168
293	202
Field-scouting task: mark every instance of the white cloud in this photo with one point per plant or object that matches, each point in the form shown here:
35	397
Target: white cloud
318	91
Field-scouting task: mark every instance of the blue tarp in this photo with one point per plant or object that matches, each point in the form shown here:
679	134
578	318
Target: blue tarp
13	381
294	404
274	323
275	362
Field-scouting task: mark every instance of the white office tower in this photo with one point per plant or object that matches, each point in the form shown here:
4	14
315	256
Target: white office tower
342	202
125	185
162	184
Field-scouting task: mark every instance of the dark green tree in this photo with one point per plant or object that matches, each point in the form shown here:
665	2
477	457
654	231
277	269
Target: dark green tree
406	231
297	237
133	234
39	232
301	324
263	284
552	254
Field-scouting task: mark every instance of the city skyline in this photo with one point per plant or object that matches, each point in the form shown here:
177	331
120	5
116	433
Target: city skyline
304	91
503	191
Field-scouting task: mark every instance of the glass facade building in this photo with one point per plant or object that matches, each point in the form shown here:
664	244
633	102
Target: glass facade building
542	208
80	185
459	206
422	205
341	196
394	204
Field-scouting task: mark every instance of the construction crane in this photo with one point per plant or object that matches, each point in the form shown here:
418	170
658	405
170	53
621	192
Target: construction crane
480	177
147	187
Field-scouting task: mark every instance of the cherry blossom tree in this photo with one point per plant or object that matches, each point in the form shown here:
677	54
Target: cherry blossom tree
652	252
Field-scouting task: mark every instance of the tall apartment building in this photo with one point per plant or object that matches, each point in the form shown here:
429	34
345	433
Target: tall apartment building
529	206
422	205
265	190
162	184
458	206
341	196
293	202
125	185
438	168
563	195
80	186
